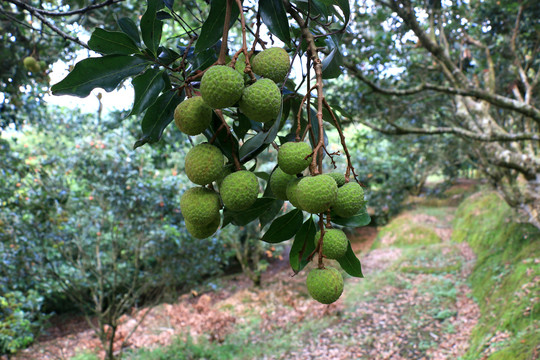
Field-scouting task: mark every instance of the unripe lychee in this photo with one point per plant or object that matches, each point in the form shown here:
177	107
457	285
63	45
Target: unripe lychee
325	285
192	116
31	64
350	199
292	157
239	190
221	86
240	66
278	183
338	177
335	243
203	231
261	101
204	163
272	63
200	206
292	194
316	193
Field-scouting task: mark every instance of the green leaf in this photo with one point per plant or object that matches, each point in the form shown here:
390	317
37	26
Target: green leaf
242	218
241	126
271	213
275	18
212	29
151	26
358	220
105	72
346	8
331	65
129	28
350	263
227	144
147	88
303	245
284	227
112	42
158	116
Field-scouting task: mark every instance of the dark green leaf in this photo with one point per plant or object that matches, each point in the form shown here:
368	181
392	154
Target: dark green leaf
147	87
331	65
105	72
350	263
223	141
252	145
358	220
158	116
284	227
275	18
112	42
242	218
345	7
212	29
151	26
271	213
303	245
241	126
163	15
129	27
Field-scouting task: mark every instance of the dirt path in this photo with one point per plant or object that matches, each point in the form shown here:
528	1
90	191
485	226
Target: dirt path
412	304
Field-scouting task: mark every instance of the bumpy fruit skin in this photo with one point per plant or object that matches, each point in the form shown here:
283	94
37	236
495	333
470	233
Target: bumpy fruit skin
350	199
221	86
239	190
338	177
292	194
261	101
192	116
317	193
31	64
291	157
272	63
325	285
278	183
200	206
335	243
204	163
204	231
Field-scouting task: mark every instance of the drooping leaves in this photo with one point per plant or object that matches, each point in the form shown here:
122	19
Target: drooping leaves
147	88
151	26
284	227
331	65
358	220
275	18
112	42
158	116
242	218
212	28
105	72
129	28
350	263
303	245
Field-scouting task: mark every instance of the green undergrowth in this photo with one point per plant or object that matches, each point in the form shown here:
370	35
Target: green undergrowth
403	231
504	280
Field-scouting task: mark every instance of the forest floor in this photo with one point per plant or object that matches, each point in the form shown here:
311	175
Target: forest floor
413	303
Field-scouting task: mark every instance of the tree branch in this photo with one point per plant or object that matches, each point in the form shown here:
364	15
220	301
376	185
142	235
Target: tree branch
35	10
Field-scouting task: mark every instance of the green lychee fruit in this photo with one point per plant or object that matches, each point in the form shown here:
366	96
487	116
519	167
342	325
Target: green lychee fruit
335	243
221	86
338	177
292	194
240	66
325	285
192	116
239	190
204	163
200	206
316	194
272	63
278	183
31	64
292	157
42	65
350	199
261	101
203	231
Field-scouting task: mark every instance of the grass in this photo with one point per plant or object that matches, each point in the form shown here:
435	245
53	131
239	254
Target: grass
504	280
404	232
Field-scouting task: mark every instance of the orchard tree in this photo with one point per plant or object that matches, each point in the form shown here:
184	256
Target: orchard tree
244	101
470	70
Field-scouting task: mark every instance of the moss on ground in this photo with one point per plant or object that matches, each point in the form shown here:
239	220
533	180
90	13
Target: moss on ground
403	232
504	280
